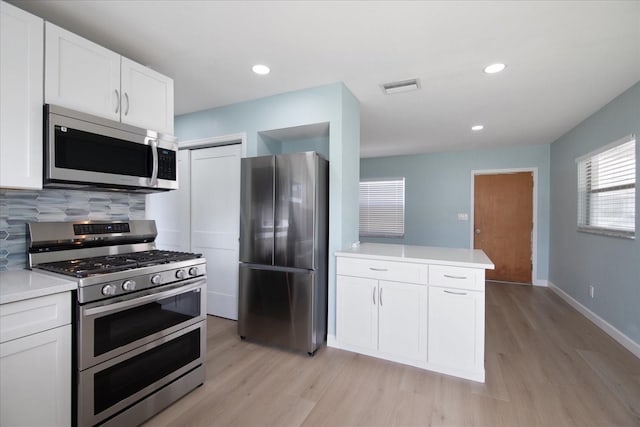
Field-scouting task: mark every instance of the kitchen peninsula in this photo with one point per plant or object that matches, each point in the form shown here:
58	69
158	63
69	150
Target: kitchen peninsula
418	305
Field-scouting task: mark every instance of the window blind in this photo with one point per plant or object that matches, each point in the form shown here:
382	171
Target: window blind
606	189
382	208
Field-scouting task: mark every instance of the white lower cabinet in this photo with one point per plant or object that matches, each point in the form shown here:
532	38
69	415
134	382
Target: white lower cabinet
385	317
402	320
357	313
456	329
35	362
436	323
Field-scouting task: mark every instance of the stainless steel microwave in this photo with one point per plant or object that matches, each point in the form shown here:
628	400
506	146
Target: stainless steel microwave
87	152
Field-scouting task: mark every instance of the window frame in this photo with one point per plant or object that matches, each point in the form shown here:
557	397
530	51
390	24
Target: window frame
404	210
584	192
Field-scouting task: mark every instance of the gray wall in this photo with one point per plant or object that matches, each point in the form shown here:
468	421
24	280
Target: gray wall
438	187
577	259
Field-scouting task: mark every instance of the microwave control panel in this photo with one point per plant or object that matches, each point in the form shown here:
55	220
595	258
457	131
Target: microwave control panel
166	164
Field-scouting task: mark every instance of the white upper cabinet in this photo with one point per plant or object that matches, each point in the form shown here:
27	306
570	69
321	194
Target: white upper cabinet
21	56
87	77
80	74
147	97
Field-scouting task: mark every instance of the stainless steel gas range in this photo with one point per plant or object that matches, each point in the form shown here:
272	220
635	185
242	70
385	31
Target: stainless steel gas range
139	320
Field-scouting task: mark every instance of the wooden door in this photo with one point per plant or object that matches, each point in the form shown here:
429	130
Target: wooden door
215	223
503	222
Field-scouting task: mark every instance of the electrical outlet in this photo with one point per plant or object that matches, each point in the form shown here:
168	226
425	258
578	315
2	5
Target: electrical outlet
591	290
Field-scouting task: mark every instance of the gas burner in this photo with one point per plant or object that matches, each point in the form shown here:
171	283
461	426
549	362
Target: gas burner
85	267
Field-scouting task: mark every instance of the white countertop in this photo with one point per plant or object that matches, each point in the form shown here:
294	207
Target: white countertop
420	254
19	285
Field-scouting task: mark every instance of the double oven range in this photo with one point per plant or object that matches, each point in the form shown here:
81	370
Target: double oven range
139	316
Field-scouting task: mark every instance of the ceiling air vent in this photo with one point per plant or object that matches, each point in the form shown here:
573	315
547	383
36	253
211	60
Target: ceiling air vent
401	86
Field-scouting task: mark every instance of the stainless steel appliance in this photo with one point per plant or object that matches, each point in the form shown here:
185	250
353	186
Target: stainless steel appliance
140	316
283	250
89	152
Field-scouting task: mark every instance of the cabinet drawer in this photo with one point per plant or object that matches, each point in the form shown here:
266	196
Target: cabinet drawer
22	318
383	270
457	277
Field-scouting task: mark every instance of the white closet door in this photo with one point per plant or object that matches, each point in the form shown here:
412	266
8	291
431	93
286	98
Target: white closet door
172	210
215	223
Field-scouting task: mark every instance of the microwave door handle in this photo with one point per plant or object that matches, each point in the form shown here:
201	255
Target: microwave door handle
154	151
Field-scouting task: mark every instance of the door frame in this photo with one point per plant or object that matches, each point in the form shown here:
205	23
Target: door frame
213	141
534	231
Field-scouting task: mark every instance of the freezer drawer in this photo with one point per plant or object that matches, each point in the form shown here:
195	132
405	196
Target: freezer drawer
279	308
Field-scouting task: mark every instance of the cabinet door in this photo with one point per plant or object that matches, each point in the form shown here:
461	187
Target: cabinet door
147	98
80	74
36	379
357	312
402	323
456	328
21	56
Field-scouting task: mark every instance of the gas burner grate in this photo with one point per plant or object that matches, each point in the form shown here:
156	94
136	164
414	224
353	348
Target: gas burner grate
85	267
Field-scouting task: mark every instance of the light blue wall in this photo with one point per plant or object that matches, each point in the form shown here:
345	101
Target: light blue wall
333	104
438	187
611	264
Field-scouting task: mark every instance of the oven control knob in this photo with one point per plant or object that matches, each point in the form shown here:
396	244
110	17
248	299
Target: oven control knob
129	285
180	274
155	279
109	290
193	271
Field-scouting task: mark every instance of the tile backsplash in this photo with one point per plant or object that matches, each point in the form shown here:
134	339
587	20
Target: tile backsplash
18	207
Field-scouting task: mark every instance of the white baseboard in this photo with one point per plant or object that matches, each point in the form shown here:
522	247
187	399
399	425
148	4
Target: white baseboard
611	330
541	282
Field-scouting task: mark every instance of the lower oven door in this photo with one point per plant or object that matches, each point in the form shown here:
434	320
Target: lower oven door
111	387
108	329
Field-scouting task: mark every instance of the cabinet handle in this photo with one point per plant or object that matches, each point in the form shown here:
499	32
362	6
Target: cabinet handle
455	293
378	269
380	298
126	97
117	101
455	277
374	295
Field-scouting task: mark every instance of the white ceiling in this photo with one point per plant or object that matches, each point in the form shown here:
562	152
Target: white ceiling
565	59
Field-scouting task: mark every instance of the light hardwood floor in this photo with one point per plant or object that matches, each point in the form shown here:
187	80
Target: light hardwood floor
546	365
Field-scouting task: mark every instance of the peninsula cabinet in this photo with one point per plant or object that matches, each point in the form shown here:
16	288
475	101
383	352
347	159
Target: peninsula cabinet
380	316
87	77
35	361
417	305
21	76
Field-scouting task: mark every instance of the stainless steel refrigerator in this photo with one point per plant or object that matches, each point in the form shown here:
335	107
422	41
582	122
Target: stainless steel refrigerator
284	214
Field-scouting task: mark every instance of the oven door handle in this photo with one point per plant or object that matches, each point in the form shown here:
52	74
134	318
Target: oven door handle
118	306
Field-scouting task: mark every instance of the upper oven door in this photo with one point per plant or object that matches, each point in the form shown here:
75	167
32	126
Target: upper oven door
108	330
105	153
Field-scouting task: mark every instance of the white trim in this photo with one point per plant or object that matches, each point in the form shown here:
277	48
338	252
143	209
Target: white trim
609	329
234	138
534	232
541	282
620	141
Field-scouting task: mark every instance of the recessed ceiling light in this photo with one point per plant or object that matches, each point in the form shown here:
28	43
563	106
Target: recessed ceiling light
494	68
260	69
477	127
